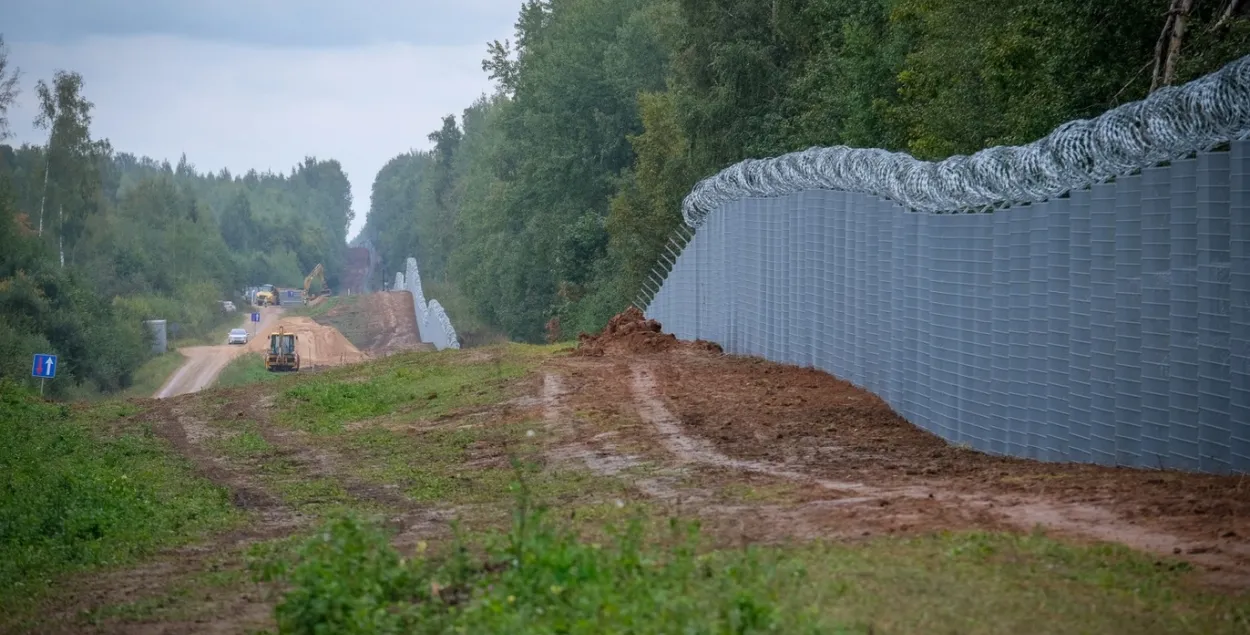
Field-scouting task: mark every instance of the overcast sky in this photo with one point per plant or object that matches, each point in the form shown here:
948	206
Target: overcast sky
260	84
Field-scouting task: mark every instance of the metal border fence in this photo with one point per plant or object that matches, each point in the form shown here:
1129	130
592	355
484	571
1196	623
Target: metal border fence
1106	324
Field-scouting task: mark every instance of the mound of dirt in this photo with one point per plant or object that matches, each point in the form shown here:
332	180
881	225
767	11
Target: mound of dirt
631	332
317	345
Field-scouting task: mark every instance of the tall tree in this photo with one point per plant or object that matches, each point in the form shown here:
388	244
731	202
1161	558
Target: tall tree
9	88
69	168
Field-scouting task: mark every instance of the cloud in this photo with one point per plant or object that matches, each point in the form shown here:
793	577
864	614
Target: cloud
244	107
265	22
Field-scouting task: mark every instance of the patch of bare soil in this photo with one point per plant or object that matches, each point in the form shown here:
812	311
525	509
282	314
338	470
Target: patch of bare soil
849	466
380	324
319	346
632	332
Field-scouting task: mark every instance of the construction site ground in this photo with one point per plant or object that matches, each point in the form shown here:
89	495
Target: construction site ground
380	324
899	531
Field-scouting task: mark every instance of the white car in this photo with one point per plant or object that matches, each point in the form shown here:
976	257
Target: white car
237	336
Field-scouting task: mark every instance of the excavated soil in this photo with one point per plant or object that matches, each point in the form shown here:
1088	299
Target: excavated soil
318	345
632	332
355	270
692	425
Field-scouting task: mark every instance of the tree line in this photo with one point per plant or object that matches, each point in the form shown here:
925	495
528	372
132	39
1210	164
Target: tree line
553	196
94	241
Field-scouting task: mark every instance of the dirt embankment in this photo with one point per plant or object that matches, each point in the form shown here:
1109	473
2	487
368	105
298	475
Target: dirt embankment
355	271
380	324
631	332
850	465
318	345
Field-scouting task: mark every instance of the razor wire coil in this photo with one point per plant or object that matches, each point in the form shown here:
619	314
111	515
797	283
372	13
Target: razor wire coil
1169	124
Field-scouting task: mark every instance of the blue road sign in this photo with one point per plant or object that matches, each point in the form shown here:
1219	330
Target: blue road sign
290	293
255	317
44	366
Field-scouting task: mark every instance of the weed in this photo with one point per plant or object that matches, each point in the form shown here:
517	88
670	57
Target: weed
538	576
248	368
416	384
74	499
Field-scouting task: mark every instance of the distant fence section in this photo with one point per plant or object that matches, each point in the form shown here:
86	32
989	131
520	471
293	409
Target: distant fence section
1107	323
432	320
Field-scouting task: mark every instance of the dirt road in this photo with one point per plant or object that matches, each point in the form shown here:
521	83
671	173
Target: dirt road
204	363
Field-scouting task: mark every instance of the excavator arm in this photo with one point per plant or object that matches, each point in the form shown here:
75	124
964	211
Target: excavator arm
318	273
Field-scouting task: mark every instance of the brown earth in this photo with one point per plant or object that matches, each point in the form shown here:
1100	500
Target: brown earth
381	324
318	345
355	269
632	332
703	424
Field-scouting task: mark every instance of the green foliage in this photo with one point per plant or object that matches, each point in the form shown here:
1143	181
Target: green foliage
541	576
556	195
536	578
76	496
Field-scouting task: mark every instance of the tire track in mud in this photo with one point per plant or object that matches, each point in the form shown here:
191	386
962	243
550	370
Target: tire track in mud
1021	512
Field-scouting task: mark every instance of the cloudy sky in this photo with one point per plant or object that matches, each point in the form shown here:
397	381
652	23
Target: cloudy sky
260	84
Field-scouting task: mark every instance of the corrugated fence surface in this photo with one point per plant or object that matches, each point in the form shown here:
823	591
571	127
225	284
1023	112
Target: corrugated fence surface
1110	326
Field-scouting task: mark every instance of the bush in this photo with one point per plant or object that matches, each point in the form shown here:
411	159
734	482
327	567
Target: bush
535	578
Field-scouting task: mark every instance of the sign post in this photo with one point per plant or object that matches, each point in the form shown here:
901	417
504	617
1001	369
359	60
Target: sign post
44	367
256	322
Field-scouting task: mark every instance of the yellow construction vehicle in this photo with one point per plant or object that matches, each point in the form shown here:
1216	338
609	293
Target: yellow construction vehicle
318	273
281	355
267	295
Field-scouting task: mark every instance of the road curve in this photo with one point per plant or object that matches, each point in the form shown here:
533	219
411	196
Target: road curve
204	363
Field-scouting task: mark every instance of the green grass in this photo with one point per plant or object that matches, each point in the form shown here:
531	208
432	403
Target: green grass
438	465
244	443
414	385
540	577
153	374
85	489
248	368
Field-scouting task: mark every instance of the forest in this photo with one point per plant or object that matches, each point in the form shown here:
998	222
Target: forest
553	196
93	241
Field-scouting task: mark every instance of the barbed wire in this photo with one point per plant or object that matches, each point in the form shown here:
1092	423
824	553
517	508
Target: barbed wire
1171	123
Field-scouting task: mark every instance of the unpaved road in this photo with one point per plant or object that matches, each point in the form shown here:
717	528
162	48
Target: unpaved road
204	363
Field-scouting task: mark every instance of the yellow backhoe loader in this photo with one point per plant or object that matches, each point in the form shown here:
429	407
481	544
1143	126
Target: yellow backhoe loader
281	355
318	273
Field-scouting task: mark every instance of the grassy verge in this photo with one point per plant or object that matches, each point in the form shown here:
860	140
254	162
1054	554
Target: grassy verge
405	387
540	577
248	368
154	373
77	496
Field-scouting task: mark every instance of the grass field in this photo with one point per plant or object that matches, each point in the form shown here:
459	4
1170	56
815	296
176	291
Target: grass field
334	462
247	368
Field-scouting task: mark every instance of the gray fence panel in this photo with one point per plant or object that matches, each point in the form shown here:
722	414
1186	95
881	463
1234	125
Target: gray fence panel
1111	325
1214	427
1102	323
1183	361
1239	302
1156	310
1079	369
1128	296
1058	326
